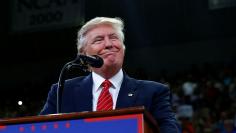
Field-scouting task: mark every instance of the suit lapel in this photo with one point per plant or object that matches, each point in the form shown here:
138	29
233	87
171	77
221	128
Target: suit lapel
83	94
127	94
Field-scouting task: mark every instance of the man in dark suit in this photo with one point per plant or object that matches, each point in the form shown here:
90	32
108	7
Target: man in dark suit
108	87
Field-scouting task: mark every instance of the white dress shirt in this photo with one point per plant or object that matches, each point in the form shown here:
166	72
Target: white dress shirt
116	81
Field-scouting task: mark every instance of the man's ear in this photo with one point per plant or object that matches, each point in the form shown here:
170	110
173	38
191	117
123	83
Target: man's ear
82	51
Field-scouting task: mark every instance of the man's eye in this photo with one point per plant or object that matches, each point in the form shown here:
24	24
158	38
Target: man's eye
98	40
114	37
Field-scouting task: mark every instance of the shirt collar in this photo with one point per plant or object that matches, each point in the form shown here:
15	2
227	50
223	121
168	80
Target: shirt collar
116	80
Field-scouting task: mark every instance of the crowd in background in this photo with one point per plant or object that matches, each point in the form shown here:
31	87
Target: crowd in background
203	97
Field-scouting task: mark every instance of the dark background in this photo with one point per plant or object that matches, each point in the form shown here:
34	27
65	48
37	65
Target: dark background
159	35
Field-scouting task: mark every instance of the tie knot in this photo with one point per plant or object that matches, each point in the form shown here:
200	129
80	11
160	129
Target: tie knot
106	84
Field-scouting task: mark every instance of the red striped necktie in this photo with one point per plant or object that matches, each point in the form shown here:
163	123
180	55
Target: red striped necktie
105	100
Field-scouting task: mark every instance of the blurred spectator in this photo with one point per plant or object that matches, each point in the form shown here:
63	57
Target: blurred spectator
189	86
185	111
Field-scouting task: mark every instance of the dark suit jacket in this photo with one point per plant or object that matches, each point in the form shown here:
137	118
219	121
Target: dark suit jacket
77	97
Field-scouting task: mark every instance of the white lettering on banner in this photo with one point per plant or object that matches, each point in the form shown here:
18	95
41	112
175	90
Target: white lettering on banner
42	4
46	14
45	18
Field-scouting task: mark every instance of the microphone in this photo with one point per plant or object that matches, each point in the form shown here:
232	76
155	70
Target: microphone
80	61
93	61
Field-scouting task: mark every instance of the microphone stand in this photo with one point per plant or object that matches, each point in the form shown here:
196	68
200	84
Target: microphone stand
75	63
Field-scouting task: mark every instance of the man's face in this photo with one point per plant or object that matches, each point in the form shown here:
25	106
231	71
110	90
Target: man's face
104	42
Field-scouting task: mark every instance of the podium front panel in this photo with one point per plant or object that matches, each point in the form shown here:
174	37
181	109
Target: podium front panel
111	124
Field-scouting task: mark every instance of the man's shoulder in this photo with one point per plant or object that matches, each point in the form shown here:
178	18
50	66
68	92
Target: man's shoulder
148	83
151	82
76	79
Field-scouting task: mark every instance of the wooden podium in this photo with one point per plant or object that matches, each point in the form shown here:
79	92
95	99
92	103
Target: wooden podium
129	120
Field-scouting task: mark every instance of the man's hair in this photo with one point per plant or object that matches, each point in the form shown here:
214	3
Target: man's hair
116	23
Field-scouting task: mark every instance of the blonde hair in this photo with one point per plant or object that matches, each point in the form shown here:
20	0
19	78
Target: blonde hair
116	23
